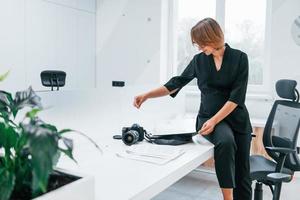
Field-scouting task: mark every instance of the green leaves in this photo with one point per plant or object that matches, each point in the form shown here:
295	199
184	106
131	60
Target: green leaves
3	76
6	101
43	140
69	148
43	148
8	138
82	134
7	182
27	98
33	113
65	131
31	148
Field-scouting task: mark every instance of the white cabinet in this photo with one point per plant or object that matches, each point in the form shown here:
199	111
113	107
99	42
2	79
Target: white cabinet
41	34
87	5
129	47
12	44
86	50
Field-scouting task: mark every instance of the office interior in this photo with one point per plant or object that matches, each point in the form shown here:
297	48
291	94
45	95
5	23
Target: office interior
111	51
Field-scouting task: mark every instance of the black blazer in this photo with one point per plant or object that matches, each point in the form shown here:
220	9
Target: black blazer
218	87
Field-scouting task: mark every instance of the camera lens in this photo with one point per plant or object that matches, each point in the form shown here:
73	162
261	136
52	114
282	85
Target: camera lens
130	137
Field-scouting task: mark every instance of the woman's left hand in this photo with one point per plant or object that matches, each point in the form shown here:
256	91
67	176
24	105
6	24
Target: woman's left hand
208	127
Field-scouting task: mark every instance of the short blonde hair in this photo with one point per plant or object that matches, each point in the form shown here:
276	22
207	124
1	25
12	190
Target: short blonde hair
207	32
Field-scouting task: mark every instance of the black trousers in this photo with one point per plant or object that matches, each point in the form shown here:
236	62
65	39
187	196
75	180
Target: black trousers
231	154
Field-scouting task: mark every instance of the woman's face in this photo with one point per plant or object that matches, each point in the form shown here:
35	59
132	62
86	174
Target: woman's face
205	49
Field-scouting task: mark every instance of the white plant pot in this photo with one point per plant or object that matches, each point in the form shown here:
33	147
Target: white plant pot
81	189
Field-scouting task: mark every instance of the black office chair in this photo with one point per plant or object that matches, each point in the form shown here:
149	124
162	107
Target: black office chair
280	142
53	78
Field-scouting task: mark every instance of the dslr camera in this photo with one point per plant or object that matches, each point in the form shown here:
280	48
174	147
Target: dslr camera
133	134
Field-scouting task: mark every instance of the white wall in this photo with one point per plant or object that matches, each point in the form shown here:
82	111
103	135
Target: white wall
285	54
12	37
284	57
60	34
128	41
47	34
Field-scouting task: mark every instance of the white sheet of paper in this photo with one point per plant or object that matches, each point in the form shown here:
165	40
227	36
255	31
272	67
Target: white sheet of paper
156	154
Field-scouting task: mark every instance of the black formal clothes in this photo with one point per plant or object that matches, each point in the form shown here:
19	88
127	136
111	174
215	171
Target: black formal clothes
217	87
232	135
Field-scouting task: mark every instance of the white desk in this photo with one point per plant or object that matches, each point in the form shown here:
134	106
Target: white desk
119	178
100	118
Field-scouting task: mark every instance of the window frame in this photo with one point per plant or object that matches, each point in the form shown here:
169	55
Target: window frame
171	69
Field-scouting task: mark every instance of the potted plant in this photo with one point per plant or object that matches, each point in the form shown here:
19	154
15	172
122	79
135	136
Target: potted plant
29	151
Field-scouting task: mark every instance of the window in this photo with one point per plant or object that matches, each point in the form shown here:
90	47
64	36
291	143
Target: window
243	29
189	12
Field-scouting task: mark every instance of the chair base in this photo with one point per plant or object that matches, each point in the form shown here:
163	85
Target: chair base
258	192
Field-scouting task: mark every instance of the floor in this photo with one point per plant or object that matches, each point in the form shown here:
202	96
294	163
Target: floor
204	186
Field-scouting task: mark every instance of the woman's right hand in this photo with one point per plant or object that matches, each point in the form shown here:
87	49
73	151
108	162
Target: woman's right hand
138	100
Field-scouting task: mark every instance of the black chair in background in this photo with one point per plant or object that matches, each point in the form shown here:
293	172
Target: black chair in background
280	143
53	78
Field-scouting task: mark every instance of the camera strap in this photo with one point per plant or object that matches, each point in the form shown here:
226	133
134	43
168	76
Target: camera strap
169	139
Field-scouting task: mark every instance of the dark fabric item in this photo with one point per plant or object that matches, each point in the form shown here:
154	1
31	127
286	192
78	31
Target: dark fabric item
170	142
261	167
286	89
231	154
239	86
170	139
243	188
218	87
180	81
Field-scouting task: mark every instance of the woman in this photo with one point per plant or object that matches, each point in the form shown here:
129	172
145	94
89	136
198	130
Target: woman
223	119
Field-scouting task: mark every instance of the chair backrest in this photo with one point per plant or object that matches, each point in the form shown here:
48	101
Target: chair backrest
285	119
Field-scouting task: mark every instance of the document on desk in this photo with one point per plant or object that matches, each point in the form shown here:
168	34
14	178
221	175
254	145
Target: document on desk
155	154
199	139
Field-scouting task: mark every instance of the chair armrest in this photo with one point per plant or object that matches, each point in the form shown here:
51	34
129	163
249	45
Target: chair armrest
281	150
279	177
